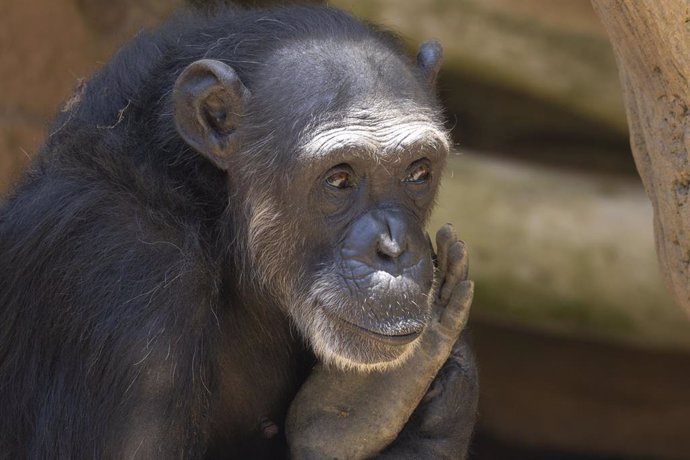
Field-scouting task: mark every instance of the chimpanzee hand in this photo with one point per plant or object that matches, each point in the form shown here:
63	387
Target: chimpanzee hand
442	424
413	411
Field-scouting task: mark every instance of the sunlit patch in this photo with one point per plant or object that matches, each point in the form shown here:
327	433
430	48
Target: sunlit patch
380	131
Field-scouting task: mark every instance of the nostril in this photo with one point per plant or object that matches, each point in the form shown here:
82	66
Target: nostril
383	255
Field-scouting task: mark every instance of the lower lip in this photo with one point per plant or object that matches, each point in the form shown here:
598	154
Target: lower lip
398	340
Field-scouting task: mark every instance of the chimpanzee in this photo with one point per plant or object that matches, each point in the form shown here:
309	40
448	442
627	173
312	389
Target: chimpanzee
230	198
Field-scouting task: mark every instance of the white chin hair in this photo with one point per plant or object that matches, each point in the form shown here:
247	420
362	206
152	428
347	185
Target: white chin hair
327	348
315	326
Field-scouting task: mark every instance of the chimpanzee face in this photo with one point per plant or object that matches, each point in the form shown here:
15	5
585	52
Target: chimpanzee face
374	176
336	163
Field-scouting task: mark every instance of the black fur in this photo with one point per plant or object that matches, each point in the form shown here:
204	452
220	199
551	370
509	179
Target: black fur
126	322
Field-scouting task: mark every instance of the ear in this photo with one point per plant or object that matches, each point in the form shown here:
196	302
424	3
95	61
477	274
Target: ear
209	101
429	59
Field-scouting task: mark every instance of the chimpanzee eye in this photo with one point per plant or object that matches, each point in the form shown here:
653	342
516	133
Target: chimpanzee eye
340	179
419	172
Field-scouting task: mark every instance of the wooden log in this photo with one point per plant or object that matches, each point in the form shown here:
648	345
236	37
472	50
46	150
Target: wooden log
651	41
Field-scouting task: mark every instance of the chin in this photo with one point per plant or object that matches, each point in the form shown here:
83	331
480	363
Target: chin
377	333
339	346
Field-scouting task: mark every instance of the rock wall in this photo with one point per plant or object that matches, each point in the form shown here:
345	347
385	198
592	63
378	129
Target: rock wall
45	47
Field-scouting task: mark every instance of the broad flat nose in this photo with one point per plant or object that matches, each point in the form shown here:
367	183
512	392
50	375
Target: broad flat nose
392	242
381	239
388	247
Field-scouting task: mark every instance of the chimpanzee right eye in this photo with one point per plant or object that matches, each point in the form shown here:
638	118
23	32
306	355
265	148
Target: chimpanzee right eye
342	178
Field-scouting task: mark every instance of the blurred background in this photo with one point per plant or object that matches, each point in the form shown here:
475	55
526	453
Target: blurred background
582	353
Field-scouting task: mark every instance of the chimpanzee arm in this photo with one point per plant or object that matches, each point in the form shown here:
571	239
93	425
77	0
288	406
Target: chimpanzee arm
106	313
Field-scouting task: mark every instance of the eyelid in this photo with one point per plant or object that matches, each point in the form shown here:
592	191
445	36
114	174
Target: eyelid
341	168
345	178
414	167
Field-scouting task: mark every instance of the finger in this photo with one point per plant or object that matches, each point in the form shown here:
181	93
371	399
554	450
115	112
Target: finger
445	237
455	315
456	270
434	257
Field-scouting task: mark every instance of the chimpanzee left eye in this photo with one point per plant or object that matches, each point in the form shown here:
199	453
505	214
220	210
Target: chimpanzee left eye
419	173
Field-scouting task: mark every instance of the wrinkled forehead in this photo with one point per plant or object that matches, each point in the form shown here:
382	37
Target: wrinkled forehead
379	130
359	95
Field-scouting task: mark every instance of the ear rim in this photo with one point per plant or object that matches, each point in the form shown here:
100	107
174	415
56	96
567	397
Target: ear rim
430	60
200	83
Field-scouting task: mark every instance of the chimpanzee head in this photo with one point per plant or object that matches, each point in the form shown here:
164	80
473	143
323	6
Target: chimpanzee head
333	149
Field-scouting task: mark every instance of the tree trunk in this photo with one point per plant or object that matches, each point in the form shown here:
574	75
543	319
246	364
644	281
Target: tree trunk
651	41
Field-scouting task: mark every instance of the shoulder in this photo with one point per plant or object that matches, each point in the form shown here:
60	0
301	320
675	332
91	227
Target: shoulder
79	229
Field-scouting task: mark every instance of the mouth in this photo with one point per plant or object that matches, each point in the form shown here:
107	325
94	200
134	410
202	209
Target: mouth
388	339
